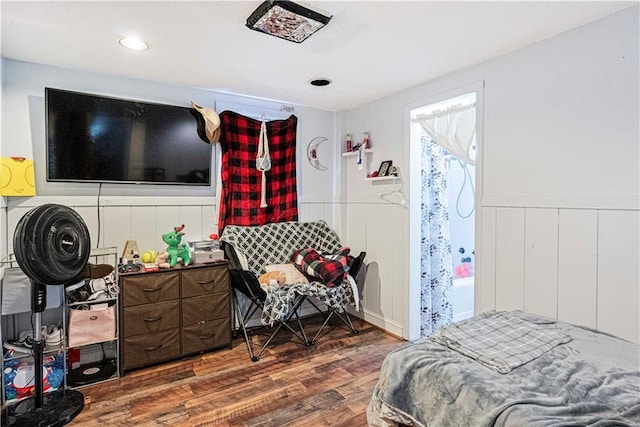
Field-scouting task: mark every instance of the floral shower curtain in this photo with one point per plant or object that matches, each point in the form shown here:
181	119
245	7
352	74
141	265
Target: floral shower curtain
436	276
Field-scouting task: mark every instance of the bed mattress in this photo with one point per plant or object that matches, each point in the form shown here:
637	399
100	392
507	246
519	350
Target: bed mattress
583	377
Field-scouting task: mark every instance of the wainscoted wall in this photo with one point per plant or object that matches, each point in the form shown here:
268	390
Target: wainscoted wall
3	230
558	196
377	227
145	219
576	265
118	219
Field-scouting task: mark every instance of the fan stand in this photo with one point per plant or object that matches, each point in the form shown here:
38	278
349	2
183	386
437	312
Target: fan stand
51	244
56	408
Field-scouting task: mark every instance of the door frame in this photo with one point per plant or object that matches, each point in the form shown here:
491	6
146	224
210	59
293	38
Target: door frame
414	262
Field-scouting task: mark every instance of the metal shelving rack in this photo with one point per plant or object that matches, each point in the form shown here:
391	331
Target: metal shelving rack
12	324
106	255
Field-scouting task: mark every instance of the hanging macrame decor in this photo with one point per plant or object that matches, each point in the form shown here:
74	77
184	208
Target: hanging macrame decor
258	170
263	163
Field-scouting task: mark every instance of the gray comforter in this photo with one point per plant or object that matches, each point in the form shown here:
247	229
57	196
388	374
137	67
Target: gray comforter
590	379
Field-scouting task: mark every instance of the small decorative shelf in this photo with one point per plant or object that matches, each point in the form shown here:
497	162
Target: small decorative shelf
383	178
355	153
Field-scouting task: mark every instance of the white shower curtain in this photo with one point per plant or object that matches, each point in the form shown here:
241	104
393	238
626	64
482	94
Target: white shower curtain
453	128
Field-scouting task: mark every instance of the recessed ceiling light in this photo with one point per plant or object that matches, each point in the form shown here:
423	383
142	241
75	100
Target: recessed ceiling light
320	82
133	43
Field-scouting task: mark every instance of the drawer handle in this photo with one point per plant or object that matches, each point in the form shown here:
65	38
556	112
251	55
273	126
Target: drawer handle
147	319
153	348
206	337
209	282
152	289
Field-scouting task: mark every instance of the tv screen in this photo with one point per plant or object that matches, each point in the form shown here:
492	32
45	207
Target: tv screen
100	139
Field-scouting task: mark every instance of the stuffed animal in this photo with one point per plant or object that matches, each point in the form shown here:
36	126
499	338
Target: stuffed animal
177	250
271	280
162	259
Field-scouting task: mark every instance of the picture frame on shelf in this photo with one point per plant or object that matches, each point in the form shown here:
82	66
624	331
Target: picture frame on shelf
384	168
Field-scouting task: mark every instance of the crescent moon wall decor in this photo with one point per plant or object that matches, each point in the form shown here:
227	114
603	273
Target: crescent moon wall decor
312	152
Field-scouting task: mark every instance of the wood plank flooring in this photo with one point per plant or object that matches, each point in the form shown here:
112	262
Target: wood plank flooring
328	384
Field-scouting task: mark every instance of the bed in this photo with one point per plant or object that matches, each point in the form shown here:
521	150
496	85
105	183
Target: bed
509	368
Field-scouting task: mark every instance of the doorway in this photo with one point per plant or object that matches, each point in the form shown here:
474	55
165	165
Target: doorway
444	166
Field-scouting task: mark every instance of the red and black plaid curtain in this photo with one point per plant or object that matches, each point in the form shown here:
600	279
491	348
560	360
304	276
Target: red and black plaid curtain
241	181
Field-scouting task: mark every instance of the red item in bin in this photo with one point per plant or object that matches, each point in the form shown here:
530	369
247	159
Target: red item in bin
74	357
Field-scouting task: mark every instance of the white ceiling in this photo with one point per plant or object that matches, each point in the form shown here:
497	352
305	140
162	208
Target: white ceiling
369	49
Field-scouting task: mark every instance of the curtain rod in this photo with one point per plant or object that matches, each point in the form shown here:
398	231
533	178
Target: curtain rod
444	112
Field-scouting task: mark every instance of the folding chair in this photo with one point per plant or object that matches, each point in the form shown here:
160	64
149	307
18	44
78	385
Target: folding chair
250	248
245	282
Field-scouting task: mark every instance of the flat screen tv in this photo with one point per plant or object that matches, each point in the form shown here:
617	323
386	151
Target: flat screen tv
99	139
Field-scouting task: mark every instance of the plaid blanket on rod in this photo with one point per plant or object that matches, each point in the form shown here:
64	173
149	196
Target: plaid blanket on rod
501	341
241	181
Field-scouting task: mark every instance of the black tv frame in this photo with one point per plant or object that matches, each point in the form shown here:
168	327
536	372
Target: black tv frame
209	177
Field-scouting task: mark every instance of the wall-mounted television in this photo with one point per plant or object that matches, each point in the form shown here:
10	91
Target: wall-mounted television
93	138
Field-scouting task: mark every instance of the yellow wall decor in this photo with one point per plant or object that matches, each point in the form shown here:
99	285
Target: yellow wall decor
17	177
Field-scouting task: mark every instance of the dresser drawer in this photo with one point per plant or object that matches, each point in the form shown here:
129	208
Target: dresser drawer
146	349
173	312
206	336
204	281
205	308
146	318
149	288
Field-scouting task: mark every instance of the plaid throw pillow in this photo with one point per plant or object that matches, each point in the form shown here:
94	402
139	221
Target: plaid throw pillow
330	269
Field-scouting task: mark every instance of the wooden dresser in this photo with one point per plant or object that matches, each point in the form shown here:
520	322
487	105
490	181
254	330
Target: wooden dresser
172	313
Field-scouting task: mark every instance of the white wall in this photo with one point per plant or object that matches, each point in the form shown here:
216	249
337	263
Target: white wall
144	212
3	204
558	171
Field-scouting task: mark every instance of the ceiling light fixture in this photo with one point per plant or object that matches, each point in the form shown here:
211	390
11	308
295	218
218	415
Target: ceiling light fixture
133	43
288	20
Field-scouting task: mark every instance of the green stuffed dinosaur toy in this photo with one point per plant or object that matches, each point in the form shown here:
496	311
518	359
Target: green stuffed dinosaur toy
176	250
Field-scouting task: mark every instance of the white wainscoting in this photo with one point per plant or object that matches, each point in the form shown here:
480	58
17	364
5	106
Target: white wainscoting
145	219
576	265
578	254
381	229
119	219
3	230
509	280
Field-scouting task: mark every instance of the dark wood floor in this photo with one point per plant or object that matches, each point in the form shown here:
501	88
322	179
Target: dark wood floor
328	384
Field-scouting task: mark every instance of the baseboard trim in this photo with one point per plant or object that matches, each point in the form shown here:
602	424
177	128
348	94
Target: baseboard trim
387	325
